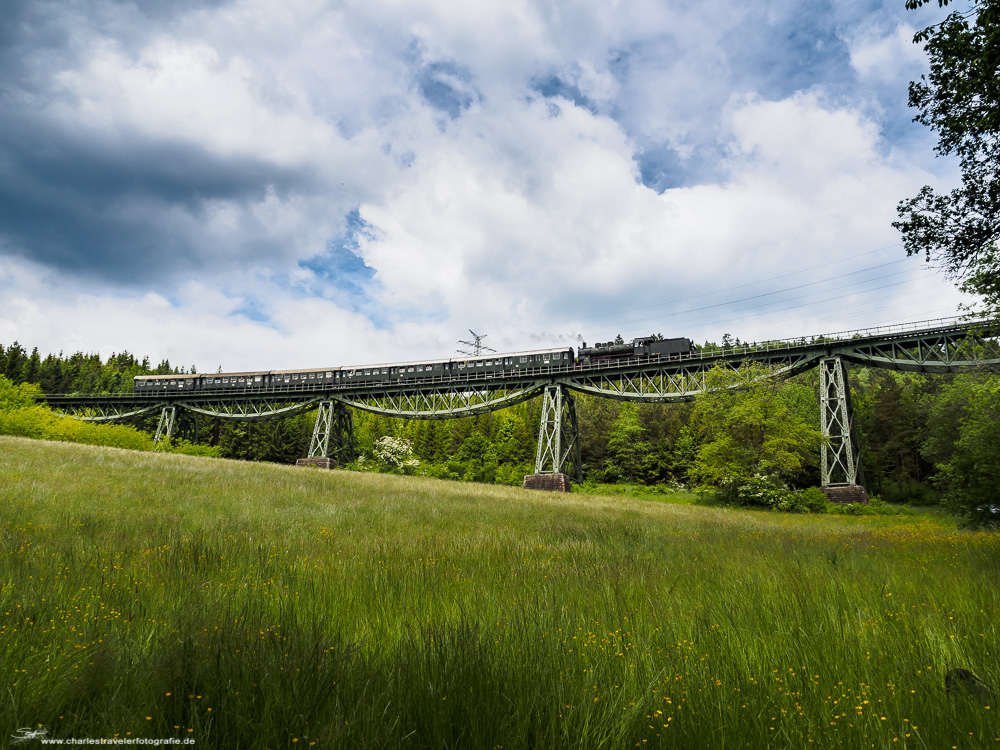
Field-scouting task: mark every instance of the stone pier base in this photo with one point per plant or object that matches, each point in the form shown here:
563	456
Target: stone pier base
320	463
548	482
848	493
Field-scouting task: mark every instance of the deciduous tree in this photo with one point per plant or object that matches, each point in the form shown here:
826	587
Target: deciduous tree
959	99
751	426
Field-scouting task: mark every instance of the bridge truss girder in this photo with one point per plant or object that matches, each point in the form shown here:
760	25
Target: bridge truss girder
942	352
672	381
240	410
443	401
257	410
111	412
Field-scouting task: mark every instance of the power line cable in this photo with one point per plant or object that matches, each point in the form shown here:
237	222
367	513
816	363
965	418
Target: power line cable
743	286
758	296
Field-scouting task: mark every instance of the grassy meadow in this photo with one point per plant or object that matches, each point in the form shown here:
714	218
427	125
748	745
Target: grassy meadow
243	605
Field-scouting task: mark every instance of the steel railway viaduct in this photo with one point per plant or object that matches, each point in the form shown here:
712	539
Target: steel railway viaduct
930	346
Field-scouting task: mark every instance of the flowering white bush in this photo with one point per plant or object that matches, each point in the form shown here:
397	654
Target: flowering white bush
395	454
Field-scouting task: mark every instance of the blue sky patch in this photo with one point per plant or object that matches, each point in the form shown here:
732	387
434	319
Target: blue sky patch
554	86
447	87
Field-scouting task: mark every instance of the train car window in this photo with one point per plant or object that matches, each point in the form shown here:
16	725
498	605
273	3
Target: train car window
410	369
225	380
461	365
437	366
479	363
173	382
385	371
257	378
329	375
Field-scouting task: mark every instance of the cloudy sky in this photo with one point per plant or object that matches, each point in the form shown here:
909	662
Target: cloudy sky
255	184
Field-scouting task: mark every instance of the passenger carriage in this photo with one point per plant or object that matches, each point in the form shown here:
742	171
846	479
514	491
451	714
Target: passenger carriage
429	371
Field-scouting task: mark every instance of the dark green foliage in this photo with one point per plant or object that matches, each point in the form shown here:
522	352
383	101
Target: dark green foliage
279	441
964	443
14	360
892	413
477	455
629	455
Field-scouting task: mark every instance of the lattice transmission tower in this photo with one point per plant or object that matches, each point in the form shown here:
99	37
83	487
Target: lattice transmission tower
477	345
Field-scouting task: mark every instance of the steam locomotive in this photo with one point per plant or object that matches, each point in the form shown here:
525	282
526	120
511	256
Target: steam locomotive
646	346
540	361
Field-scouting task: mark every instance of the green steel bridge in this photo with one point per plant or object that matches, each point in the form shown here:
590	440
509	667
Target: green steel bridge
929	346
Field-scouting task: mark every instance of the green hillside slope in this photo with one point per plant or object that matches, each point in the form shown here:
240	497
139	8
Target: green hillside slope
258	606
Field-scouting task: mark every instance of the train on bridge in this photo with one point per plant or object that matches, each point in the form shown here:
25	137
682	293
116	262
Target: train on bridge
647	348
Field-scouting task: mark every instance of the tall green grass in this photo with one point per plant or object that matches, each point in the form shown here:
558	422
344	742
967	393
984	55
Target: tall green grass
253	606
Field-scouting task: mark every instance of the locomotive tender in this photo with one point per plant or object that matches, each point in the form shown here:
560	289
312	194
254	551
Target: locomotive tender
491	365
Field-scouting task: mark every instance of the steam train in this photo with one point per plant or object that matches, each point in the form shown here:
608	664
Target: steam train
437	370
